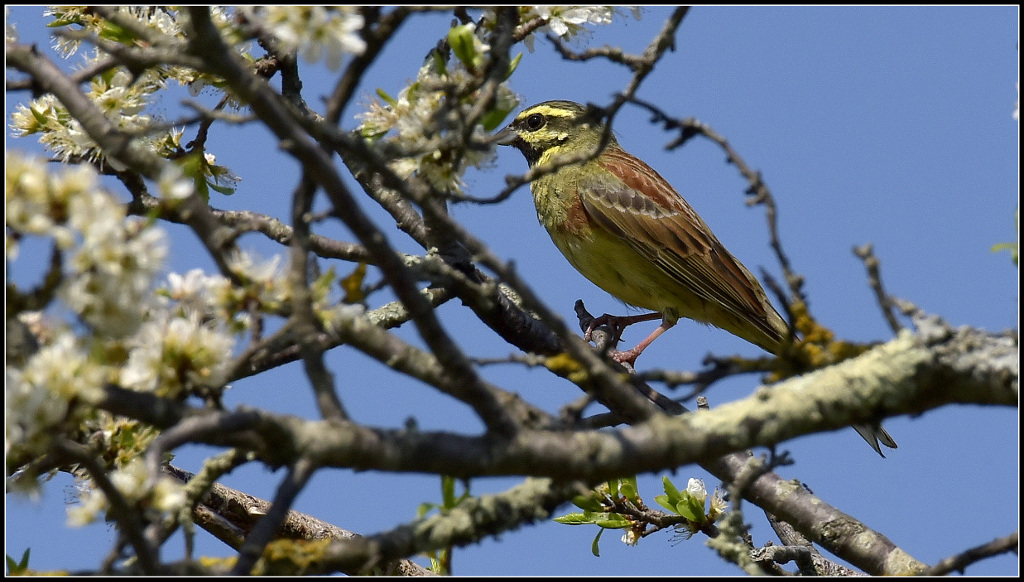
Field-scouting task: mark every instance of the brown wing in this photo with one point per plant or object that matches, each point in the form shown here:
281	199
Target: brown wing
662	227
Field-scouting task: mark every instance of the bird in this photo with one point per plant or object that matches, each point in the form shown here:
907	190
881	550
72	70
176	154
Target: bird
626	229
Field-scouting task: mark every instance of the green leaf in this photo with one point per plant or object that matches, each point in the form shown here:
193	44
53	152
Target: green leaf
629	489
1012	247
322	284
439	67
414	87
370	134
673	494
462	41
577	518
587	502
424	508
1007	246
387	98
108	75
223	180
64	20
447	483
613	488
202	188
39	116
225	190
18	567
612	521
691	509
512	66
593	545
111	31
493	118
599	518
663	501
352	285
192	165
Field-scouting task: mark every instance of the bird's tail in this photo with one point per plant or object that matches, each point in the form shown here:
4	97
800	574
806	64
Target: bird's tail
873	433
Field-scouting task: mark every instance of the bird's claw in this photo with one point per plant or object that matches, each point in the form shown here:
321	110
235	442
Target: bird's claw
611	321
625	356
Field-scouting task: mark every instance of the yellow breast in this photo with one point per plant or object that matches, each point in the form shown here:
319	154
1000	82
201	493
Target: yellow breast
605	259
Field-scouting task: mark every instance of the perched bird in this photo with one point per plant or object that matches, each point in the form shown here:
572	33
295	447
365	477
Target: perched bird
624	227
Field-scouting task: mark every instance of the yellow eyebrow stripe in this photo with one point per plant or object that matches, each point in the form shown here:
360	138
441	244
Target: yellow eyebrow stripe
548	111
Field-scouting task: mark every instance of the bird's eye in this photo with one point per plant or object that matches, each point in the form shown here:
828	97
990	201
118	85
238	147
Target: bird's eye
535	122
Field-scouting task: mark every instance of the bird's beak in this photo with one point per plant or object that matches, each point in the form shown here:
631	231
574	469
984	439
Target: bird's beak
507	136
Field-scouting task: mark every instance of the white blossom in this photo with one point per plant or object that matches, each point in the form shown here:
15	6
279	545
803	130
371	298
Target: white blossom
173	184
565	19
415	121
569	21
169	356
168	495
315	32
31	203
38	396
112	259
695	487
212	297
136	485
718	505
264	277
122	98
131	479
114	267
90	504
155	18
343	314
196	291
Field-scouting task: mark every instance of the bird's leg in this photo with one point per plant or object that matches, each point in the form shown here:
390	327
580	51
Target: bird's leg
618	323
629	356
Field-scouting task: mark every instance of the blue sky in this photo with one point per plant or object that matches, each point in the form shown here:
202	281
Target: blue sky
884	125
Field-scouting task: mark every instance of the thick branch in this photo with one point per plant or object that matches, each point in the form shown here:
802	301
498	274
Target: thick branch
903	376
230	515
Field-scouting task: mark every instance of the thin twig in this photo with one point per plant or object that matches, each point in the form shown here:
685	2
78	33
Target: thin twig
867	254
959	562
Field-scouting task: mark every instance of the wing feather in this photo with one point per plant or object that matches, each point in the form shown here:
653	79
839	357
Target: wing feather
656	222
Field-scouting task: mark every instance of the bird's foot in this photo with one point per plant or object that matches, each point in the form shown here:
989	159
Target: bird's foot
603	320
625	356
618	324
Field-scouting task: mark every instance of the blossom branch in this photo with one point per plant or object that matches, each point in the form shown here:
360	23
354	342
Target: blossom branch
267	106
121	146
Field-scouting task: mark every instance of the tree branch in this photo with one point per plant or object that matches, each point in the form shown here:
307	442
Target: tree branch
959	562
904	376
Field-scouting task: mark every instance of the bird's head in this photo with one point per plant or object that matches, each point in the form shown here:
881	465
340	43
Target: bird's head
562	127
